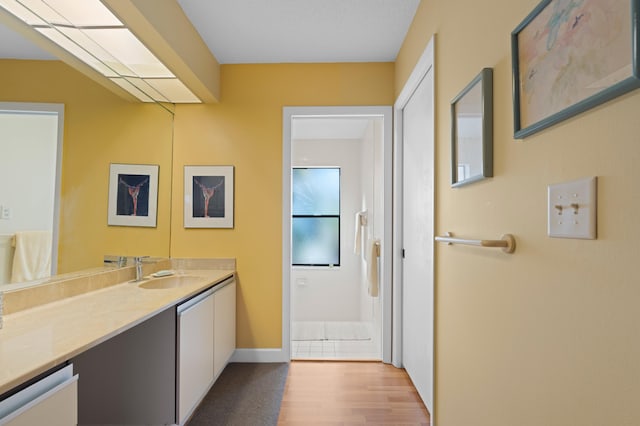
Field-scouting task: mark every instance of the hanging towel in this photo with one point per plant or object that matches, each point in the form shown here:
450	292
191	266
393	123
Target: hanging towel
361	222
374	256
7	245
32	258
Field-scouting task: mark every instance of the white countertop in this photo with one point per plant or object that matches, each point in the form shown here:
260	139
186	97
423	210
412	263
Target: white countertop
35	340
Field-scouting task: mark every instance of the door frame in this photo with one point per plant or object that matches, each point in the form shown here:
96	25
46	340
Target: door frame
288	114
425	64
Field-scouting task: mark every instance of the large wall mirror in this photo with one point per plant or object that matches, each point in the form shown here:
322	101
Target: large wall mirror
60	133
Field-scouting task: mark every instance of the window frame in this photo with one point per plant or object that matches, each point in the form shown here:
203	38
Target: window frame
311	216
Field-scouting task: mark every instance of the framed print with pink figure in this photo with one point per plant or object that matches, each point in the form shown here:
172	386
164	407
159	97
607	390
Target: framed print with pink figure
208	196
133	195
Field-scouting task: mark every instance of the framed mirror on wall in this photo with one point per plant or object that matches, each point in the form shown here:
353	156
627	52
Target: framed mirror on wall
472	131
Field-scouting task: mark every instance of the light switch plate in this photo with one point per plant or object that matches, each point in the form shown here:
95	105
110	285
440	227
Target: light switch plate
572	208
5	212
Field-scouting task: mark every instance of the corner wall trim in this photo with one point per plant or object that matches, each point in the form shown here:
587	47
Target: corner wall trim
259	355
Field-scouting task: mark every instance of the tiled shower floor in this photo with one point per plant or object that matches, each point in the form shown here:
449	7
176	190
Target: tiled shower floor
334	341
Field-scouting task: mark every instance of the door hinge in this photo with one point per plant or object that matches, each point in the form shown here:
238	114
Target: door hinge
403	253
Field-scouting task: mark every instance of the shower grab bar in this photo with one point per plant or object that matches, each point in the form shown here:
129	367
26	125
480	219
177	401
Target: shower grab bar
507	242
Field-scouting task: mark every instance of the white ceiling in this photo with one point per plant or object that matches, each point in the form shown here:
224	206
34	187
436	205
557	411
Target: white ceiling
15	46
281	31
286	31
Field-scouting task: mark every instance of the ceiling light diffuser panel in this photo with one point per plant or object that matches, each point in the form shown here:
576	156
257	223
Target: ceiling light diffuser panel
89	31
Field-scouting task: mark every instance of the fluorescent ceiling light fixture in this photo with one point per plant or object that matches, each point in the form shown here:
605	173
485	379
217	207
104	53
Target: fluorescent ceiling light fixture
88	30
131	89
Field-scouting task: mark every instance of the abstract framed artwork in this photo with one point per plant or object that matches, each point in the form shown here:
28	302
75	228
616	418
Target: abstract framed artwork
208	196
569	56
133	195
472	131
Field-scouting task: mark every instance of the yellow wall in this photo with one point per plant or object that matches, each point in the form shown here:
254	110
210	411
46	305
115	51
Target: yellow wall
99	129
548	335
245	130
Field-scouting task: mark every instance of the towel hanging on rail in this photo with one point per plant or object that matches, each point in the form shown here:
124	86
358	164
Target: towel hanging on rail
361	222
372	273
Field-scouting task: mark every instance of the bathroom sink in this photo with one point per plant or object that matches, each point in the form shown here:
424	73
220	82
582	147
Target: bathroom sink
172	281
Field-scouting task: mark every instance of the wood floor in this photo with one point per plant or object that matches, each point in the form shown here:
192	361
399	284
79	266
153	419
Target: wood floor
350	393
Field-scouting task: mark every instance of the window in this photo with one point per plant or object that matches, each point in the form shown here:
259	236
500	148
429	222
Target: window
315	222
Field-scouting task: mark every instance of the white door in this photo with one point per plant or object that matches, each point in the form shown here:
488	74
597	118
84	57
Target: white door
417	238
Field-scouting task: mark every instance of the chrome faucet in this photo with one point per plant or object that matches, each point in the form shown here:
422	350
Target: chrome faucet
138	263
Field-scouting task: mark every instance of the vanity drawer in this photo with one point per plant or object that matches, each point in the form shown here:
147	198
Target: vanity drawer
52	401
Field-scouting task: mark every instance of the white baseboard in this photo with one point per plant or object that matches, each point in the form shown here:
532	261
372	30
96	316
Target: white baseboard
260	355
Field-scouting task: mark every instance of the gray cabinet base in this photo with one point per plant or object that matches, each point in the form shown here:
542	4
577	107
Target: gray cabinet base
130	379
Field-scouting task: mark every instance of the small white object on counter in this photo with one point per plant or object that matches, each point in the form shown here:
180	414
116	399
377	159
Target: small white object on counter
163	273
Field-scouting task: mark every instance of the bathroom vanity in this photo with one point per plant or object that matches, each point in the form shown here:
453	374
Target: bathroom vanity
141	352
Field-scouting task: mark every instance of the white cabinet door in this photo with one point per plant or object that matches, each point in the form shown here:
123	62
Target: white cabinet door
195	353
51	401
224	327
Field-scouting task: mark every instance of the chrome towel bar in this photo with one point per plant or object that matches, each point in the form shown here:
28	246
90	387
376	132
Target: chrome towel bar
507	242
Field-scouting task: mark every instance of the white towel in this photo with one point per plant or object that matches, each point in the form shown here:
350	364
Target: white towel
361	222
32	258
373	267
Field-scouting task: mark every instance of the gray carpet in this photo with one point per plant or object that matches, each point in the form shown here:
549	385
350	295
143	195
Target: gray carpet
245	394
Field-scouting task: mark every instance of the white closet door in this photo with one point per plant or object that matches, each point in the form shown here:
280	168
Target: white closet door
417	266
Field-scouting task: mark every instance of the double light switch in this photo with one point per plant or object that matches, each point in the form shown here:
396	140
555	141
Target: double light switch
5	212
572	209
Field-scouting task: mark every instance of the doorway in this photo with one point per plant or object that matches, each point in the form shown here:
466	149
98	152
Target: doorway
32	157
337	306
